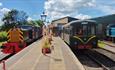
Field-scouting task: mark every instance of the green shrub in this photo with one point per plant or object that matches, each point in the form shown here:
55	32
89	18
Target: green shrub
3	36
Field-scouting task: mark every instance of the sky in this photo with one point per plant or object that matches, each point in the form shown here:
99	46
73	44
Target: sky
82	9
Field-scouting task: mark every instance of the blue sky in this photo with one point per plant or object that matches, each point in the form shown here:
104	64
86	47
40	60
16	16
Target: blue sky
81	9
33	8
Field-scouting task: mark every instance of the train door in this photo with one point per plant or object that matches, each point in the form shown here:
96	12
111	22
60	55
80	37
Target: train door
30	34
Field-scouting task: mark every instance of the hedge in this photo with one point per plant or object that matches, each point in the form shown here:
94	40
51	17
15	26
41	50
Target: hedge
3	36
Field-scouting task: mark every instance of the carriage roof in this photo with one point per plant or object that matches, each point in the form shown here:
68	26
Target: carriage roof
79	21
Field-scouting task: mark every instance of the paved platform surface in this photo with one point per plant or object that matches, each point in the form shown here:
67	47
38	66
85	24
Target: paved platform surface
109	43
61	58
107	46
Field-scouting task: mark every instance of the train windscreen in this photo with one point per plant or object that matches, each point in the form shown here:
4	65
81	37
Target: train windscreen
84	29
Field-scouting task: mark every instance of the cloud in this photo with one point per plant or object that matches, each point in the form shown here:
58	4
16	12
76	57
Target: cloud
105	6
29	19
0	4
107	9
82	16
4	10
1	23
59	8
82	9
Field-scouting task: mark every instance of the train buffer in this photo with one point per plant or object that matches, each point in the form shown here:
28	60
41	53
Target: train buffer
31	58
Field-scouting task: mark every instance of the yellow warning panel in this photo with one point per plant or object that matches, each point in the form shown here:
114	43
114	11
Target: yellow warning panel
15	35
101	44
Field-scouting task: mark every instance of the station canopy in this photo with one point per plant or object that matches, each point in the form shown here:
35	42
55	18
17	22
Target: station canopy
105	19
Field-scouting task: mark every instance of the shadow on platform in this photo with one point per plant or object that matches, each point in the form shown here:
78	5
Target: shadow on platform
55	59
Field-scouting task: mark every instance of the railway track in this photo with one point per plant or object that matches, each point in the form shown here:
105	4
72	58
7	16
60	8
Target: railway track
87	62
93	60
4	56
106	53
102	60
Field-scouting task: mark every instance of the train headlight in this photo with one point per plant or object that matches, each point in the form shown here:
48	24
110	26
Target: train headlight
75	43
94	42
85	39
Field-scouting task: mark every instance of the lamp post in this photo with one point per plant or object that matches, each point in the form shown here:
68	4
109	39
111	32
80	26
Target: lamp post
43	17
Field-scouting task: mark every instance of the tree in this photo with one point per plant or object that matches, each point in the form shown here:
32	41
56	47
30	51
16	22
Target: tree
14	18
9	18
21	18
39	23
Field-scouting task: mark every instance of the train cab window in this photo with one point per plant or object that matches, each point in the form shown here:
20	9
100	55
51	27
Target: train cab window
85	29
80	32
89	29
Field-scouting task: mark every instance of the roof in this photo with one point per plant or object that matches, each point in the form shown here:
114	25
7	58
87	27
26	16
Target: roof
77	21
105	19
63	18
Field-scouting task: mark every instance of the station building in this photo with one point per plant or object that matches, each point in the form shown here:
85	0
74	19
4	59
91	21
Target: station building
58	23
102	23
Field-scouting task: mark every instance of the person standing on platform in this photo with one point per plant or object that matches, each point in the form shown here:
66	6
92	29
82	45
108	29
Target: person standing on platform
46	46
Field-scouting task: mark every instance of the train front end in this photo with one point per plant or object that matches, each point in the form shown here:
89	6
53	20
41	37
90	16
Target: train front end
84	42
84	35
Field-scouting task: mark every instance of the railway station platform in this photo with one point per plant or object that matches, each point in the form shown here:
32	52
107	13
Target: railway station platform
109	43
107	46
31	58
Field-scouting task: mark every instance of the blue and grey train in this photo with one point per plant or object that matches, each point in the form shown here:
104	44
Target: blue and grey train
110	32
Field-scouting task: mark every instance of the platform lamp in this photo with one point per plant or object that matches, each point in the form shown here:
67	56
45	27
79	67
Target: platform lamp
43	17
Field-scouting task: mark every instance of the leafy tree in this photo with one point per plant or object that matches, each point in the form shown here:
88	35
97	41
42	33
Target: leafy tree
21	18
13	18
30	23
9	17
39	23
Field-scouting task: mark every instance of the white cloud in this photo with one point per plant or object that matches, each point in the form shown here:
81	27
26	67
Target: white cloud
77	8
81	16
0	4
107	9
105	6
4	10
29	19
1	23
60	8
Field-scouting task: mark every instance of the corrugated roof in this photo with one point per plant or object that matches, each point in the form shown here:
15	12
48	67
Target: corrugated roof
105	19
77	21
63	18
